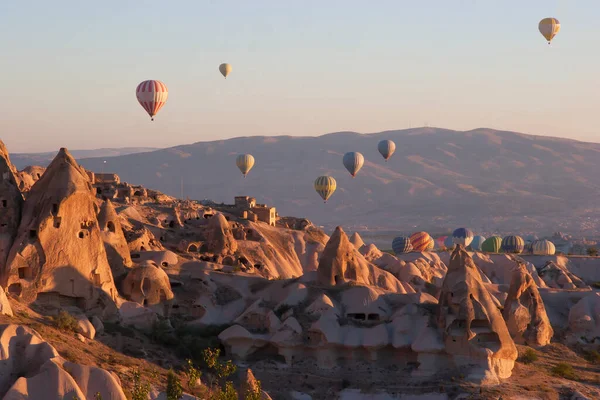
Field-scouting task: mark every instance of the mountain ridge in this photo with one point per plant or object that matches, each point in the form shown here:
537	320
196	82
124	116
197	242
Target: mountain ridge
489	180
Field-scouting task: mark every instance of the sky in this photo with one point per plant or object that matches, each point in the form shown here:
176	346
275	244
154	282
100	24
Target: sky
69	69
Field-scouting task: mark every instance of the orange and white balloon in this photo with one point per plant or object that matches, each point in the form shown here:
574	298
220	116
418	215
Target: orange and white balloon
152	95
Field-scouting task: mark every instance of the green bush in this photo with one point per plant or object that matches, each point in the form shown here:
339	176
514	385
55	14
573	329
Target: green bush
193	374
141	390
529	356
65	322
564	370
174	388
592	356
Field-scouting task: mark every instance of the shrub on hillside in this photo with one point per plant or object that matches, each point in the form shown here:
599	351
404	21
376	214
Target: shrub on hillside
564	370
529	356
65	322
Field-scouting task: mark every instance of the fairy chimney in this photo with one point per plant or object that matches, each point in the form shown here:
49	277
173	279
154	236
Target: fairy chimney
115	244
220	236
11	204
473	329
58	256
524	310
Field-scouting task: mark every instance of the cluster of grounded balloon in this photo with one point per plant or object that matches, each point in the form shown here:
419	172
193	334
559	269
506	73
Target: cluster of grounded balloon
152	95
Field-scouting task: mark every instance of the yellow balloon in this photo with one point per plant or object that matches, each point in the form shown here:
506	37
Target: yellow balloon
325	186
549	27
225	69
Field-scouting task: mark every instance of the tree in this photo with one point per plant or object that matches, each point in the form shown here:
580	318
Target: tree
174	387
592	251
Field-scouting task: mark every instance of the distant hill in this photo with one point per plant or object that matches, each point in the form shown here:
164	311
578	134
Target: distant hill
438	179
21	160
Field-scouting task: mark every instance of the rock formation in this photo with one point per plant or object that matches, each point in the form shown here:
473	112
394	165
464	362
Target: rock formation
30	368
341	262
142	240
584	321
524	311
149	285
11	204
558	277
58	256
357	241
474	332
28	176
220	237
115	244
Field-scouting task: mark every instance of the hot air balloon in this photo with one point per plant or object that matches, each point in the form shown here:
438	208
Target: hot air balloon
386	148
477	242
353	161
513	244
152	95
462	236
440	241
401	245
420	241
543	248
449	243
492	244
430	245
225	69
245	162
549	27
325	186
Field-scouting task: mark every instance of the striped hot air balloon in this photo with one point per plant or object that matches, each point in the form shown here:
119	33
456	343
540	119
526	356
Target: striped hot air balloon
543	248
492	244
420	241
430	245
449	243
477	242
325	186
401	245
353	161
386	148
513	244
462	236
152	95
245	162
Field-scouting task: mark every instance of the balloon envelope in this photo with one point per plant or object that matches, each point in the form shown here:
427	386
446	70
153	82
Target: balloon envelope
245	162
420	241
225	69
543	248
549	27
492	244
449	243
325	186
353	161
477	242
386	148
152	95
401	245
513	244
462	236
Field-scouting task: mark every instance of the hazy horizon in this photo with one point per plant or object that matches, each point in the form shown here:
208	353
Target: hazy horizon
298	69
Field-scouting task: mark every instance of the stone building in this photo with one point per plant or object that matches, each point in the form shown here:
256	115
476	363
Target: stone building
247	207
